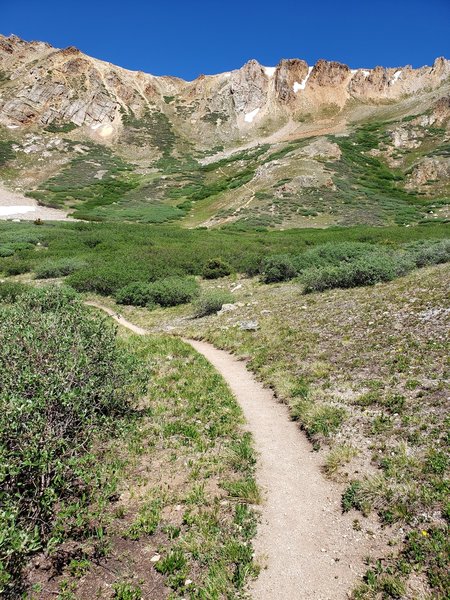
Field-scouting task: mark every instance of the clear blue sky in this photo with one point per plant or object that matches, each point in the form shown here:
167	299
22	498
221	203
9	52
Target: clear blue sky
186	38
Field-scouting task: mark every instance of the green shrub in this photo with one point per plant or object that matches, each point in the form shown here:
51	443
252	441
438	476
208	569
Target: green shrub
62	378
210	302
104	281
58	268
6	250
60	128
174	290
278	268
16	267
332	253
127	591
216	268
430	252
171	291
136	294
351	497
11	290
367	270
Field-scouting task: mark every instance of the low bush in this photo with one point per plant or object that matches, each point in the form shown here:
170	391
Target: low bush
136	294
174	290
210	302
332	253
6	250
171	291
278	268
16	267
216	268
62	379
430	252
11	290
58	268
104	281
367	270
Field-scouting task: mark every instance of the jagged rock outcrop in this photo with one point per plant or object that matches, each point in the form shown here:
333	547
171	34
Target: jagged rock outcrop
428	170
289	75
248	87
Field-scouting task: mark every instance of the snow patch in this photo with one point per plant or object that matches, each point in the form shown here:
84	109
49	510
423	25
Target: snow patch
15	210
365	72
301	86
269	71
353	71
12	126
251	115
396	77
106	131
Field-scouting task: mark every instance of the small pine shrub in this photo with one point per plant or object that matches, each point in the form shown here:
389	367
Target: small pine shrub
6	250
278	268
135	294
332	253
171	291
211	302
11	290
174	290
216	268
431	253
366	270
58	268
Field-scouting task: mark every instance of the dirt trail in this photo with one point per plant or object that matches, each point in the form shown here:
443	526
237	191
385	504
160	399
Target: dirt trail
308	548
118	318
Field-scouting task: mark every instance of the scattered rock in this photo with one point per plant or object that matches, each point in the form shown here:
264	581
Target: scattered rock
227	308
249	325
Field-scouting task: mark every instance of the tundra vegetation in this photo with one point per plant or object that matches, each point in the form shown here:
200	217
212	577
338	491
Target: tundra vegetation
353	336
125	469
124	466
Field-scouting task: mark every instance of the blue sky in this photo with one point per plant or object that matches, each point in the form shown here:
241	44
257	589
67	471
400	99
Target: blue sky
187	38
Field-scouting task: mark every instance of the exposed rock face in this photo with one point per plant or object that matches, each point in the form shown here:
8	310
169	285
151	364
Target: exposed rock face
441	111
429	169
329	74
288	74
406	138
41	85
322	148
249	87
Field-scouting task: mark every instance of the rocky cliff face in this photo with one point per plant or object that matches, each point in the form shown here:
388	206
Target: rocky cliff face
40	85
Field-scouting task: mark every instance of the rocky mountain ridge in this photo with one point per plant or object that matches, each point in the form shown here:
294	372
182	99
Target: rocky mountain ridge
41	85
287	146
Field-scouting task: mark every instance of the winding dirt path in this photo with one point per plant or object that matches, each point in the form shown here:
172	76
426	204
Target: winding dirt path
309	550
117	317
